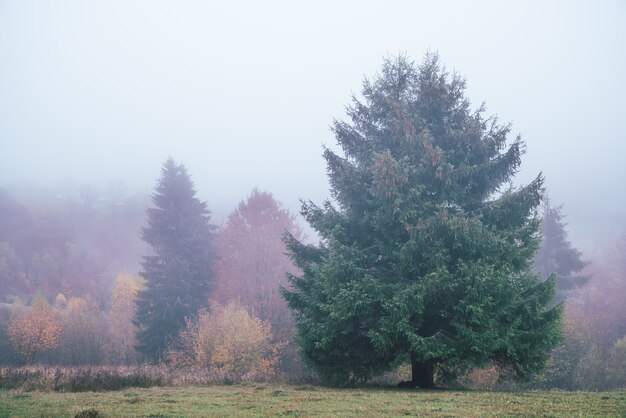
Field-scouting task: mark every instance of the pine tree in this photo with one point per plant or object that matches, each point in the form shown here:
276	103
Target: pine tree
178	273
556	254
425	255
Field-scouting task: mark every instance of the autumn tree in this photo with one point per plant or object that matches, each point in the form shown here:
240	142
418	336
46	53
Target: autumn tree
179	271
251	260
35	332
595	329
604	295
425	254
557	255
123	307
228	340
85	335
609	291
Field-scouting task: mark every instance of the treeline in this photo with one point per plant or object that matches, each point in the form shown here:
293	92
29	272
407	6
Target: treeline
74	330
88	316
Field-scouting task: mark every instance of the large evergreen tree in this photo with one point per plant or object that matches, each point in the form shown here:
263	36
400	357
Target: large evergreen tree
424	254
556	254
178	273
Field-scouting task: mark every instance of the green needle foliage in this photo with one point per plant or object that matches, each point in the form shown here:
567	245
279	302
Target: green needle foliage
179	272
557	255
426	252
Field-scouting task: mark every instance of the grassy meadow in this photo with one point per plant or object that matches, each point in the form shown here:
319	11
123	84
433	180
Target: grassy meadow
306	400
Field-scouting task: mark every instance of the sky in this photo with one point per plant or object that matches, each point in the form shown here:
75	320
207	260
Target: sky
243	92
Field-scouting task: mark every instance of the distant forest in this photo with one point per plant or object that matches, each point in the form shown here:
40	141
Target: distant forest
71	244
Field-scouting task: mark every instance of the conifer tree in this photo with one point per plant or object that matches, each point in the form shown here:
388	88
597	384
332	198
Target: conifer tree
178	272
556	254
425	254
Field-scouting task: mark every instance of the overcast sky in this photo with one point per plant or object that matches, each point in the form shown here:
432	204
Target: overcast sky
243	93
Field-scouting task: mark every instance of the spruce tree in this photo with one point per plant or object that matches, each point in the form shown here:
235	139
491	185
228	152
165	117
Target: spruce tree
425	253
556	254
178	272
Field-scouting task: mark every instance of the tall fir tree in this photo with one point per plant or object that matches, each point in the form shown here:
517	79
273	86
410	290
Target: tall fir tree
424	256
557	255
178	273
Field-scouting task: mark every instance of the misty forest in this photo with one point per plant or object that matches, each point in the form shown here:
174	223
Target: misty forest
428	264
427	261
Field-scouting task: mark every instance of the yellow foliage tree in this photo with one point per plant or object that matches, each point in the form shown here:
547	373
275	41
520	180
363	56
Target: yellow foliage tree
229	341
85	338
121	315
35	332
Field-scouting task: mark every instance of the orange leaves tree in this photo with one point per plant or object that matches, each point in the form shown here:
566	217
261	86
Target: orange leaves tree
35	332
251	260
252	264
230	342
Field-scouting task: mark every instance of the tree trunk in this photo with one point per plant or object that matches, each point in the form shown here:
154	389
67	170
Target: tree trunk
422	373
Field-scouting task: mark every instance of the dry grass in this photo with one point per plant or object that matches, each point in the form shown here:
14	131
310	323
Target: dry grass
101	378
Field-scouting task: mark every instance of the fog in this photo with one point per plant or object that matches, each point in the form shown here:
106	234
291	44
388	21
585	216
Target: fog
243	93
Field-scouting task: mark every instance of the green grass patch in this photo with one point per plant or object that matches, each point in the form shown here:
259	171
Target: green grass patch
304	401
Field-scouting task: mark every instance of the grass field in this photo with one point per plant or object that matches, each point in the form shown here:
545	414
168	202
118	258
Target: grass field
289	400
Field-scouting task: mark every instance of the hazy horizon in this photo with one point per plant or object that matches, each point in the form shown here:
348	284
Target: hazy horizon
243	93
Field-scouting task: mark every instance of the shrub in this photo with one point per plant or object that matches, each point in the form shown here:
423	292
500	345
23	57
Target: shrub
81	379
89	413
485	378
101	378
85	336
34	332
228	341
